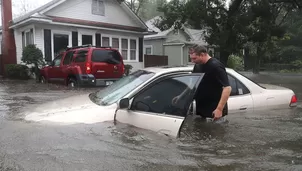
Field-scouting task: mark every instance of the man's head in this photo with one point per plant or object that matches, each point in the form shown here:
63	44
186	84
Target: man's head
199	54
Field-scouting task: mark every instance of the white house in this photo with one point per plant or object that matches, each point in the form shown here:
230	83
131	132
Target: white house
62	23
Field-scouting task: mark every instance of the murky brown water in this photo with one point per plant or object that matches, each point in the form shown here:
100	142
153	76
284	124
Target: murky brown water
262	141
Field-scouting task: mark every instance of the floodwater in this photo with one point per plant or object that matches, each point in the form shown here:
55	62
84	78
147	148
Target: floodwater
265	141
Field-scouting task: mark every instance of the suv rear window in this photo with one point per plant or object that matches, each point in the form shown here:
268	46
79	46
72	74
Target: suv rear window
108	56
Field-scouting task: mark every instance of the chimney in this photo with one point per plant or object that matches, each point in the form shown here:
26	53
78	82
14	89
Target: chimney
8	46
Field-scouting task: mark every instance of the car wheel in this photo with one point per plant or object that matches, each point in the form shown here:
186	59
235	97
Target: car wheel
72	83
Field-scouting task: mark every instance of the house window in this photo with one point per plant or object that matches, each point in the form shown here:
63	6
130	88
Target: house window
98	7
148	50
132	49
61	42
128	47
27	37
125	49
116	43
87	39
106	41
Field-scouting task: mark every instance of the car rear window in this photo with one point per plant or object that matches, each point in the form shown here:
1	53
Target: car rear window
108	56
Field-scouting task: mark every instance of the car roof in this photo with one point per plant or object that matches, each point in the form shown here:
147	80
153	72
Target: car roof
169	69
89	47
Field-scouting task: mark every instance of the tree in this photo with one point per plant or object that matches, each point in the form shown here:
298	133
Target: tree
22	7
135	5
289	49
229	27
225	25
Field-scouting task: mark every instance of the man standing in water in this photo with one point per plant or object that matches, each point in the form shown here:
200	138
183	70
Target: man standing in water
214	89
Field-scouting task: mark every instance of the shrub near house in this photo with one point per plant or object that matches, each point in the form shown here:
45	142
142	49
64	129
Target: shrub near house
31	55
17	71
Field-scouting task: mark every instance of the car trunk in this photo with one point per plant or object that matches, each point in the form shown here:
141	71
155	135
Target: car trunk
273	87
106	64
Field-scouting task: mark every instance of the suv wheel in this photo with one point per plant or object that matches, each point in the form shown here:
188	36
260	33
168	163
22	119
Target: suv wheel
72	83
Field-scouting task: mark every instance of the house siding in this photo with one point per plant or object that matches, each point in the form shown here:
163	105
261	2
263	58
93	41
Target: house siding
174	54
157	46
18	41
81	9
39	39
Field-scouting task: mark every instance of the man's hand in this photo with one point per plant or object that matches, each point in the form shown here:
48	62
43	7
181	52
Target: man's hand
217	114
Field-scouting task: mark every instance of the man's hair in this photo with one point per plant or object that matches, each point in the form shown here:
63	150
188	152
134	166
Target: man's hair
198	49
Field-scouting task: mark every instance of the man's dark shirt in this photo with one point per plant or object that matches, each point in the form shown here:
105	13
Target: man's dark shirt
210	88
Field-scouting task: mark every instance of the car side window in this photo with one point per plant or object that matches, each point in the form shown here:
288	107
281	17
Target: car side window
237	87
57	60
68	58
80	56
158	97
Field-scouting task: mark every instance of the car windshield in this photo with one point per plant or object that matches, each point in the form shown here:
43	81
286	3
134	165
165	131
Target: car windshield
120	88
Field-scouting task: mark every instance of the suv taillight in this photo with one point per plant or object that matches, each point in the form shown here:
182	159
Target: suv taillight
88	68
293	101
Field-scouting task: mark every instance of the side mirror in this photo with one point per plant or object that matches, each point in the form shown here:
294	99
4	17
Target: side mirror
124	103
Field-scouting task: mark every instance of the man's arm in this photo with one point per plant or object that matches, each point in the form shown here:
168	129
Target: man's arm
223	79
224	97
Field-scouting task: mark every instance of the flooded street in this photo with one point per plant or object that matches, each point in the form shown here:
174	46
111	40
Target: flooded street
265	141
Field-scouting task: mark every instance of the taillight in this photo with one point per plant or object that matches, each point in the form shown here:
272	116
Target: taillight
123	69
88	68
293	101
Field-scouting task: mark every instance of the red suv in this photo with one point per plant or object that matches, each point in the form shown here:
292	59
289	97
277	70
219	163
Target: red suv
85	65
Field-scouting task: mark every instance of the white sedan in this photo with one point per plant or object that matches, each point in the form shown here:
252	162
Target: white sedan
144	99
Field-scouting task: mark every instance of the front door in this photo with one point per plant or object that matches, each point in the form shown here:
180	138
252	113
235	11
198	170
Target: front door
152	107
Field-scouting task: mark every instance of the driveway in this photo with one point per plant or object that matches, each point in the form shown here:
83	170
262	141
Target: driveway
261	141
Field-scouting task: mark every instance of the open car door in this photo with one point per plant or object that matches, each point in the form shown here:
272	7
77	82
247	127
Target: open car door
152	108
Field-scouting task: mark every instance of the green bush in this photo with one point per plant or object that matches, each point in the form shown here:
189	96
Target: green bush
17	71
33	55
128	69
235	62
297	64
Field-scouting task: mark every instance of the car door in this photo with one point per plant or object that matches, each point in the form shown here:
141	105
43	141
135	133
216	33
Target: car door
65	70
152	107
240	100
52	71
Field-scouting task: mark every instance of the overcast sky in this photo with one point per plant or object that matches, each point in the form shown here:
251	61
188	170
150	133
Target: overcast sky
20	5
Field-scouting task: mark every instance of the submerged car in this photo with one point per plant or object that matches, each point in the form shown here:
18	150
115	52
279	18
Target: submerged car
144	99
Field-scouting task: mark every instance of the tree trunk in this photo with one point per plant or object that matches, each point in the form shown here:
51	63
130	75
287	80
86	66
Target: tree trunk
256	67
245	58
224	56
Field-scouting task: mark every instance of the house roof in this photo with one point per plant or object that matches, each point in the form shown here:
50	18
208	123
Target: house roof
39	14
196	35
157	32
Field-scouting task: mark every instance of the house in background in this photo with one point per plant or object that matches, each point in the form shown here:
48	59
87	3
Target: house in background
173	43
64	23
